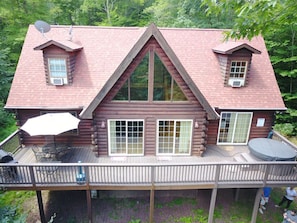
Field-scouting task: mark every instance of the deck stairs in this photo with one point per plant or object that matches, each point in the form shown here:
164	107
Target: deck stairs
246	158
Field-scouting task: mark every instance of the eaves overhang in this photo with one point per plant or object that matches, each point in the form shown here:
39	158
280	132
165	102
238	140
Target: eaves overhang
66	45
230	47
250	109
42	108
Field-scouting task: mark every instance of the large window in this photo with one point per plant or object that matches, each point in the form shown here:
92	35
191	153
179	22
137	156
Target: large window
150	81
125	137
234	127
165	88
174	137
57	71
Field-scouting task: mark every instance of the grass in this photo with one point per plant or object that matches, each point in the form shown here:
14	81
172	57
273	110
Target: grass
235	212
11	205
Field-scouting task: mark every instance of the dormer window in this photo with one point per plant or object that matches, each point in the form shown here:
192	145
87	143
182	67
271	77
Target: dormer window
59	61
57	71
235	59
237	74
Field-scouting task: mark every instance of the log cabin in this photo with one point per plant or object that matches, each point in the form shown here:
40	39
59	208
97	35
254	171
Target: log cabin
146	91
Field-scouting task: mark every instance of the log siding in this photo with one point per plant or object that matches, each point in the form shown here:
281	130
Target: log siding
151	111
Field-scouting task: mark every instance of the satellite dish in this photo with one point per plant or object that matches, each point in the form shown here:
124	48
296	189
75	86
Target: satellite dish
42	26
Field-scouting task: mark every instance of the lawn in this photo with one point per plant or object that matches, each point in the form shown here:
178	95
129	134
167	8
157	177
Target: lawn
70	207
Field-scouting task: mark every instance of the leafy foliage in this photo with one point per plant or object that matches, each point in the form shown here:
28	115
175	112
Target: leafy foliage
187	13
255	17
10	206
274	19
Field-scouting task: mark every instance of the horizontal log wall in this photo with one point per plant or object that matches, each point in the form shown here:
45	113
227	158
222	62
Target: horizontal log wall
151	111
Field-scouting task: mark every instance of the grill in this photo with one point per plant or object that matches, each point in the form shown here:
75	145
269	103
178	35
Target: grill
7	172
5	157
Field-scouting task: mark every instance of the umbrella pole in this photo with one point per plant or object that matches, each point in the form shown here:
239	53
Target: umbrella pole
54	142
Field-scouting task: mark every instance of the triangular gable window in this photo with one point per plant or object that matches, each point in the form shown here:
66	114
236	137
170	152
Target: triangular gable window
136	87
165	88
139	84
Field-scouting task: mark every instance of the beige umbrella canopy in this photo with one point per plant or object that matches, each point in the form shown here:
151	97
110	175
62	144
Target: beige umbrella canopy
50	124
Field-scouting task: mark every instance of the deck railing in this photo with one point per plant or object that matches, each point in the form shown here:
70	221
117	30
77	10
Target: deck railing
12	143
96	176
279	137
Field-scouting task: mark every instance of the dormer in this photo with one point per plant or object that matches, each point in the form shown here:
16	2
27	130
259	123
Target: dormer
59	61
235	59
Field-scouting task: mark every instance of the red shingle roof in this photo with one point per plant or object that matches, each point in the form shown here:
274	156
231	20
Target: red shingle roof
104	49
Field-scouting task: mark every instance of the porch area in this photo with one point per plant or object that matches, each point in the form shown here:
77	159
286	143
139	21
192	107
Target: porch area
80	169
85	155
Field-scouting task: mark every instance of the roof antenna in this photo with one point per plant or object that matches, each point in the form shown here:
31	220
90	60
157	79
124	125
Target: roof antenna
42	27
70	33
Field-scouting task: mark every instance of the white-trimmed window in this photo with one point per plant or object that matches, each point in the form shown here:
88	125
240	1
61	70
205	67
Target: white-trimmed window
234	127
125	137
237	74
57	71
174	137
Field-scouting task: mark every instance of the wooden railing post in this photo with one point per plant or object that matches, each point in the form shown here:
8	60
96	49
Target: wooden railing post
214	194
152	194
32	176
40	205
256	205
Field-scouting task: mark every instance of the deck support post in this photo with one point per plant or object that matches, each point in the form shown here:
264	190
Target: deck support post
237	190
89	205
256	205
152	205
212	204
40	205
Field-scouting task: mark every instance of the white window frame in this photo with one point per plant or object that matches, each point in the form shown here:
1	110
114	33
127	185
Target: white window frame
235	75
110	142
175	140
234	132
60	69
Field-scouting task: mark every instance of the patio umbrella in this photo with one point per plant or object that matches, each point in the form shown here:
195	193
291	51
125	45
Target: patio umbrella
50	124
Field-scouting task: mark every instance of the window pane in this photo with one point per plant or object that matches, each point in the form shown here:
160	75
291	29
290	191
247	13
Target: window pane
57	67
174	137
242	127
182	137
135	137
162	81
238	69
126	137
178	95
139	81
136	87
122	94
234	127
166	136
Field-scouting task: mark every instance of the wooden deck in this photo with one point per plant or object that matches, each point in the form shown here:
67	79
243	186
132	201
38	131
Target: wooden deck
217	169
220	167
85	155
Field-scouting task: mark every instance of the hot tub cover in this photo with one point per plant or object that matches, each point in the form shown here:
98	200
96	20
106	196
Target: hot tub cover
271	150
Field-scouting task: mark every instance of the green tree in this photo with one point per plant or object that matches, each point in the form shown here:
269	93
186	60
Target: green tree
276	20
6	74
117	12
255	17
187	13
66	12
